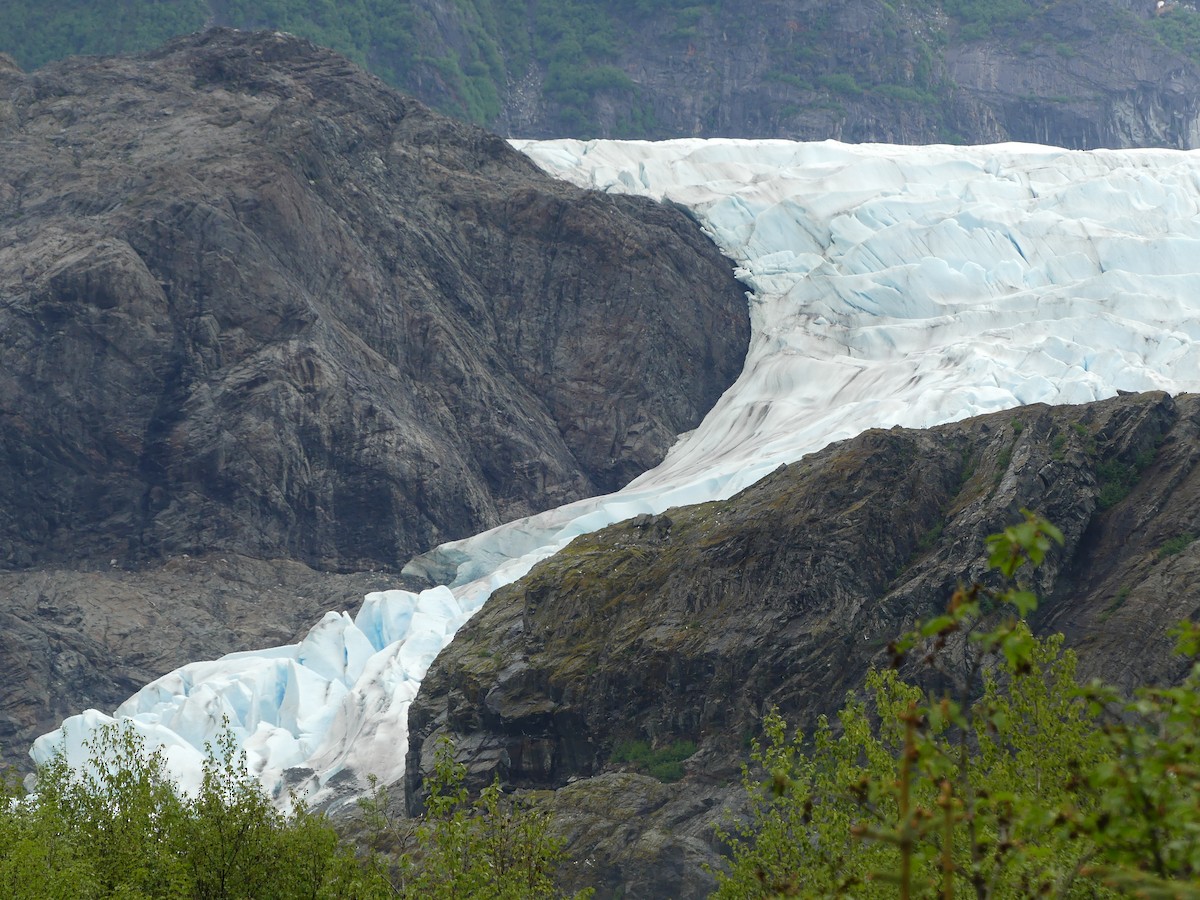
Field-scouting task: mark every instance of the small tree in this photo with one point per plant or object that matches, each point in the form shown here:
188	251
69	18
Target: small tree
118	827
493	848
235	843
1146	821
108	824
38	858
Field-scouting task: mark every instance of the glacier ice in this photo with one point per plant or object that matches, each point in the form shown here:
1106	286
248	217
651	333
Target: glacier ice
887	286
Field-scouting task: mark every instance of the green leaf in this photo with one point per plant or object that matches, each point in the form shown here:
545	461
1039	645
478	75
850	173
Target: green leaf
940	625
1025	601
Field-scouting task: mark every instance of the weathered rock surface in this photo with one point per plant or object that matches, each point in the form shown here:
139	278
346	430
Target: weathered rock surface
1053	81
1078	73
255	305
252	300
688	626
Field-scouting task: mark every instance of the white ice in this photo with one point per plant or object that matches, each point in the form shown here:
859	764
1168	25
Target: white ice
889	286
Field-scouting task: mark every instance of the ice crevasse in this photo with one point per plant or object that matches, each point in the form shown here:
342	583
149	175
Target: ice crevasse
887	286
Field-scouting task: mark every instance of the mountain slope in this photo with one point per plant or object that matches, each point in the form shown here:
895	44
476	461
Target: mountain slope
914	71
688	626
256	301
256	305
892	286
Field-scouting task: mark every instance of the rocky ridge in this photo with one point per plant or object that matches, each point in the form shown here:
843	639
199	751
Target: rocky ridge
254	300
689	626
256	305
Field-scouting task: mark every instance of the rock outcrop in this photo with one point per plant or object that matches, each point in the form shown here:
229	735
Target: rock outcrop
252	300
256	305
689	626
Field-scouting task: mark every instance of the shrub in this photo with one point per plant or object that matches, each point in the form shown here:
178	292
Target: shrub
1000	777
120	828
840	83
1176	545
493	848
665	764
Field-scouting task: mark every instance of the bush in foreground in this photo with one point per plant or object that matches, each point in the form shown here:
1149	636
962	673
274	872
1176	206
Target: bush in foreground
119	828
994	774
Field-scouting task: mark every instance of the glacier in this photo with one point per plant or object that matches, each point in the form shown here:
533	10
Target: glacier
888	285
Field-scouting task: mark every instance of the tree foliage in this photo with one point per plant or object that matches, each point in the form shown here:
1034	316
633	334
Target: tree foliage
119	828
491	847
36	33
977	766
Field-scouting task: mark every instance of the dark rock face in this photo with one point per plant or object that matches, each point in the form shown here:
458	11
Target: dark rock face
253	301
690	625
1069	93
258	308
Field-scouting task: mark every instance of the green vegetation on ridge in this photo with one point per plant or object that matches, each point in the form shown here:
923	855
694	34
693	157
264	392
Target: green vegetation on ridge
665	764
36	33
978	766
1179	29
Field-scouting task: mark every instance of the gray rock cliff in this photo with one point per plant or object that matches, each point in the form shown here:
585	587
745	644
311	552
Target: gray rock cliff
1109	73
251	299
257	306
1077	73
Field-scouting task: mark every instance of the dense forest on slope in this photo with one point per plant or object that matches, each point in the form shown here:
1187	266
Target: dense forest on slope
910	71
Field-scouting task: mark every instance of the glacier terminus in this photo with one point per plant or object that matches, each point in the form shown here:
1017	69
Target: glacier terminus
887	285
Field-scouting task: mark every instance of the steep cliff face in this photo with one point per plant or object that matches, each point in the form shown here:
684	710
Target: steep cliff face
688	626
253	300
1064	89
255	305
1080	74
908	72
